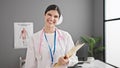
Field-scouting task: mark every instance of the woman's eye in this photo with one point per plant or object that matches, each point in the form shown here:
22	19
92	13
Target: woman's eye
56	16
49	15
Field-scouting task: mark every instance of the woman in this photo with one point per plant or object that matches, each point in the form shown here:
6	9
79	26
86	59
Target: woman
50	45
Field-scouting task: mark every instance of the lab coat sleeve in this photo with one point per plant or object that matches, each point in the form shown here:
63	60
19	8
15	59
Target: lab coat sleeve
73	59
30	56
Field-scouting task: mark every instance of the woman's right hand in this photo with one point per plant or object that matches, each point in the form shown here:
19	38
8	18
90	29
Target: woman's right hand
63	60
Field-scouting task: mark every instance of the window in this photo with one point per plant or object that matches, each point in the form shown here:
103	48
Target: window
112	32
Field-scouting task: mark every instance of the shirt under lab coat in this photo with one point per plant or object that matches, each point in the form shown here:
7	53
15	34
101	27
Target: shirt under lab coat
38	56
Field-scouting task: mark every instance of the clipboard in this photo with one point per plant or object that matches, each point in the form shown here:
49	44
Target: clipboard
71	52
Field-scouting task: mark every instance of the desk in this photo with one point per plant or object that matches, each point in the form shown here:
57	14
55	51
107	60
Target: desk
93	64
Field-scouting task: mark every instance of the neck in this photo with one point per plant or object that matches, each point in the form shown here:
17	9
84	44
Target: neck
49	29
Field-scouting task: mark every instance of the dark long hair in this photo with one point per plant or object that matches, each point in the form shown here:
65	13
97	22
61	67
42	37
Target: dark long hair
53	7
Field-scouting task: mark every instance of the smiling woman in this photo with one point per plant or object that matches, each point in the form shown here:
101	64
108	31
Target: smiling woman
78	16
51	18
50	43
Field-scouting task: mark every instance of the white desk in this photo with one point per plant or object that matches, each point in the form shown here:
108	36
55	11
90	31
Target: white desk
94	64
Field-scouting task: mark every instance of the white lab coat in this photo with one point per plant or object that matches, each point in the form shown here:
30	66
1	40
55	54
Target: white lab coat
40	57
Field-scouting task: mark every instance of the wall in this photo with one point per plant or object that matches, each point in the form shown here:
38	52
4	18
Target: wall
78	21
98	22
98	17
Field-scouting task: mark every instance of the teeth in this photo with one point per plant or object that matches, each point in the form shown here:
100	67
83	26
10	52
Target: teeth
50	21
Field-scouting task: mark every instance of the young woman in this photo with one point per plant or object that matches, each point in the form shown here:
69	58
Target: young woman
50	45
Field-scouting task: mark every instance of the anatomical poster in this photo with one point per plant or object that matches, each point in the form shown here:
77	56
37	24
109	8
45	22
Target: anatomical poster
22	34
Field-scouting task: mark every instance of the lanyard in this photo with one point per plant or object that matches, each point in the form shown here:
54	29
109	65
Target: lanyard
50	49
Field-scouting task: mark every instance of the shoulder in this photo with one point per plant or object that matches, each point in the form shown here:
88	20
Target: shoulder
37	34
64	33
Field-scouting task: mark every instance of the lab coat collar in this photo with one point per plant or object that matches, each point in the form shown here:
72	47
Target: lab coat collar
59	36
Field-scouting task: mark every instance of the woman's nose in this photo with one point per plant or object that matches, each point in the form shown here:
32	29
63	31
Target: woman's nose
52	18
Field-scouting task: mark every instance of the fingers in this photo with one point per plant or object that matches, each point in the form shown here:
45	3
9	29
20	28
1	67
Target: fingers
66	57
63	60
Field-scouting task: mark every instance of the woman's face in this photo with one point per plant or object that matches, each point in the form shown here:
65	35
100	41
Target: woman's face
51	18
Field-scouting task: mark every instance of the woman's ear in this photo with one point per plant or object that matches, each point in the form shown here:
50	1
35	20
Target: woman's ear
60	20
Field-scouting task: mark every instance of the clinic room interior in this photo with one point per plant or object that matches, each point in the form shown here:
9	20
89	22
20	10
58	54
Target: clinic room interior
85	20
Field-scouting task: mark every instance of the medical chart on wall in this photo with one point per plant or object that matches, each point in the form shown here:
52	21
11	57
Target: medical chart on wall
22	34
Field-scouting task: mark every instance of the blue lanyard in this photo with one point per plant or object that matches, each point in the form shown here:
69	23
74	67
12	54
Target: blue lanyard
51	53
